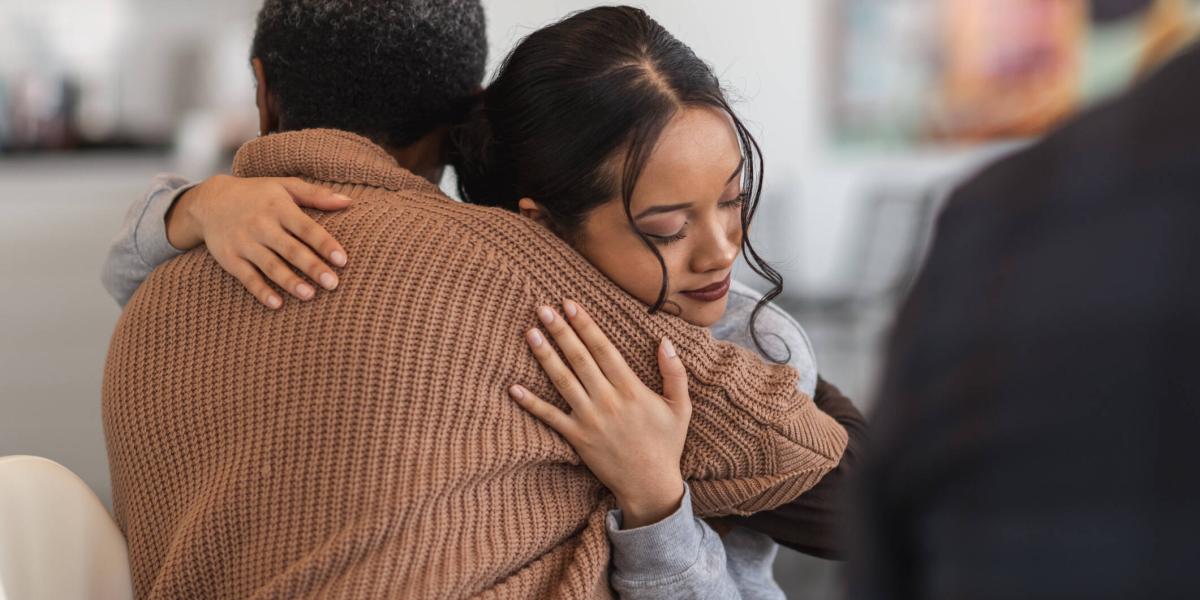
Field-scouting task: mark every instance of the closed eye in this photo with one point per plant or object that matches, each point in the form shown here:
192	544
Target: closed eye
734	203
664	240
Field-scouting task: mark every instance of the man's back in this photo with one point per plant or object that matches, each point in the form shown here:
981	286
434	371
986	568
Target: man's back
1037	429
362	445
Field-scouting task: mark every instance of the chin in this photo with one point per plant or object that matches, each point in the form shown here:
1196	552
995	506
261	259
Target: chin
703	314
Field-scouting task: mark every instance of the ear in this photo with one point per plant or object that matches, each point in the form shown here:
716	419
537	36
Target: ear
268	117
528	208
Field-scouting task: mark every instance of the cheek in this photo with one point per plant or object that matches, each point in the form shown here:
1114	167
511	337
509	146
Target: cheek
733	227
639	274
625	259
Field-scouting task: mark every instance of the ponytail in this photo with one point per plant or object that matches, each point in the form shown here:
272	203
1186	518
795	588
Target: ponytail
476	156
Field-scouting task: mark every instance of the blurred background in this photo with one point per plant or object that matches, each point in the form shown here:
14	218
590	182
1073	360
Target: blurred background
868	112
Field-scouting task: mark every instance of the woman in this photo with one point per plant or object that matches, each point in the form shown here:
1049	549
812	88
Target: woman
633	156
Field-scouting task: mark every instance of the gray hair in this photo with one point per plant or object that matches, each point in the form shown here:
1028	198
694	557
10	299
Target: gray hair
392	70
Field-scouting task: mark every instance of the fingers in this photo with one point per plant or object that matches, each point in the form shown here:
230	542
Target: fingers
564	380
253	281
578	355
599	347
283	276
303	258
674	375
315	236
312	195
548	413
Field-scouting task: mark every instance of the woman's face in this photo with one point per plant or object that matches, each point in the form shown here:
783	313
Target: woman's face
688	202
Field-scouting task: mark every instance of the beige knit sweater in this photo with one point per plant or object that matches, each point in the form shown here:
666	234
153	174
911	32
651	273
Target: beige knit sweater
362	445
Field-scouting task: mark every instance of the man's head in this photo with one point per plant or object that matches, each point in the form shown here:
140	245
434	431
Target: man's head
395	71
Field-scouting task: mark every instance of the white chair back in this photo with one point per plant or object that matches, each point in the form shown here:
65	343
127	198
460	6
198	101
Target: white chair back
57	541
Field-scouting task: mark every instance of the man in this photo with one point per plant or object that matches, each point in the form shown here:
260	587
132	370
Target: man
361	445
1037	434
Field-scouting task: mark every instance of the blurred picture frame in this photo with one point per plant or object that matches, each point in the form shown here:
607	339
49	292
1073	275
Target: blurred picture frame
949	72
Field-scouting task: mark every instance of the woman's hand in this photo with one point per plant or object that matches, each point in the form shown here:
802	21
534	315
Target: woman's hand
254	227
627	434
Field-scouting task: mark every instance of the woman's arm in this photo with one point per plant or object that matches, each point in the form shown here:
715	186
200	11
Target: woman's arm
142	244
252	227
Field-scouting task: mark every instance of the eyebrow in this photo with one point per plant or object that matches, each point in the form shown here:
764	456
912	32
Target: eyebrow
663	208
736	170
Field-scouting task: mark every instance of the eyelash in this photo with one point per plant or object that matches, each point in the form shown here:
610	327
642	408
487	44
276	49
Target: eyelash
736	202
666	240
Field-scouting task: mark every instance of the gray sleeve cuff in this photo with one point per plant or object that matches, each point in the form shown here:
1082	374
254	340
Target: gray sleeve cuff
679	557
150	233
667	547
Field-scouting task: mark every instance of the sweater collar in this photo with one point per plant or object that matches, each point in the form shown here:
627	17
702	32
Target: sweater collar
326	155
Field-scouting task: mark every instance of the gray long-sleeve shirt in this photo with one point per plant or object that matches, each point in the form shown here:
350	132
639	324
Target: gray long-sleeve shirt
678	557
141	244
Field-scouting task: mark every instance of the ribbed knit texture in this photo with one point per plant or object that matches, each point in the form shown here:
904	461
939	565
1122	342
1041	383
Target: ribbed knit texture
362	445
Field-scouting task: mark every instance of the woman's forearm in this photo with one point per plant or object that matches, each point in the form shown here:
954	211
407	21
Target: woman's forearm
141	245
680	556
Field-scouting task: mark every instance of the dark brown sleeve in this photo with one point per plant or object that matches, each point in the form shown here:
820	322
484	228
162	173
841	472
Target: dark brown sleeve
815	522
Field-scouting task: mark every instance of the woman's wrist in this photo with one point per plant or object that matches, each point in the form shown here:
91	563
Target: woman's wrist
649	506
183	230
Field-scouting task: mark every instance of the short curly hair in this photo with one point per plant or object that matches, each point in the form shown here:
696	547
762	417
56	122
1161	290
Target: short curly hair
391	70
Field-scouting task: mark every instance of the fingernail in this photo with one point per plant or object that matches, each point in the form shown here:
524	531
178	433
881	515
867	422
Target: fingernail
305	291
338	258
535	338
328	280
570	308
668	348
343	197
274	301
516	392
546	315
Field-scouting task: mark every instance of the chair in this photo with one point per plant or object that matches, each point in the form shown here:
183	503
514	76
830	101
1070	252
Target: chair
56	538
890	237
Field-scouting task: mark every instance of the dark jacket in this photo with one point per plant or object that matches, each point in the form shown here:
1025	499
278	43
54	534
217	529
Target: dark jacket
1039	424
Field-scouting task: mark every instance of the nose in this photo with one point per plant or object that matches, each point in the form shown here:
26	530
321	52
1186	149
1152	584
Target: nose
717	247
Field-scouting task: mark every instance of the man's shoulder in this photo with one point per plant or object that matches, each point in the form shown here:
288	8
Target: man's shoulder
407	230
381	212
780	335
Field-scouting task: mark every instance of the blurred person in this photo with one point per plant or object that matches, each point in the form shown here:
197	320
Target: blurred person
1036	431
1169	25
358	444
1012	67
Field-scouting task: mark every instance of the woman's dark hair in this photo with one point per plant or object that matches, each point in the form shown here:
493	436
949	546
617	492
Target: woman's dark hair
568	100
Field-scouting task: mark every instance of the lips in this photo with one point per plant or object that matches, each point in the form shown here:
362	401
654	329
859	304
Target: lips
710	293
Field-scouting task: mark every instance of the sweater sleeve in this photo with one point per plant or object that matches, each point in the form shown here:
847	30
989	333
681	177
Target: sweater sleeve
677	557
755	440
816	523
141	244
